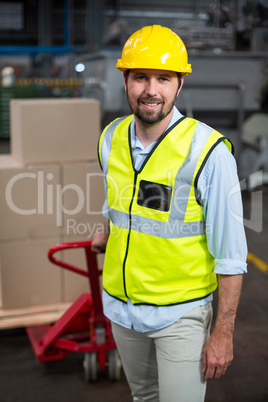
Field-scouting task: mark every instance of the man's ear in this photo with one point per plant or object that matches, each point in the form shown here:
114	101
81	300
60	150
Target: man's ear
179	90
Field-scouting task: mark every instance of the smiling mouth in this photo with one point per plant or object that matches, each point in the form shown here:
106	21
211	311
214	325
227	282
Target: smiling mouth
151	104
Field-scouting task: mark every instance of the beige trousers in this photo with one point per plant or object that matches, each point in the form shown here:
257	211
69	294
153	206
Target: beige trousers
166	365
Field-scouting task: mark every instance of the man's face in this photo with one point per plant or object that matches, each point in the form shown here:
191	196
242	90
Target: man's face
152	94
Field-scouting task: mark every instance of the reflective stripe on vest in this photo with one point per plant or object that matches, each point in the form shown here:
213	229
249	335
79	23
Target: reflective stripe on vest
157	250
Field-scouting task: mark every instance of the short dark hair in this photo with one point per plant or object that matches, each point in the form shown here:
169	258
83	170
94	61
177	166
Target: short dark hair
179	78
126	74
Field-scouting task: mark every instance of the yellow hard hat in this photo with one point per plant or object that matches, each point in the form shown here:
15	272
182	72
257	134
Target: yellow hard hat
155	47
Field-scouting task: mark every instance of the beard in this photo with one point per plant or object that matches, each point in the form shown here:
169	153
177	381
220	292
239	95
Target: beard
147	117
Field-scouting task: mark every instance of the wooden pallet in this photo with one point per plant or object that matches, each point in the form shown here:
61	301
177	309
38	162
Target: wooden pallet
28	316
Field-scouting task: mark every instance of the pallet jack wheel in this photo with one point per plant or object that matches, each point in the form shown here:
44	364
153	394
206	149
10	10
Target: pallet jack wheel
114	365
90	366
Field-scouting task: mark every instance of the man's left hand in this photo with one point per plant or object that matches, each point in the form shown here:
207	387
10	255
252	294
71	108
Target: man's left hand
218	354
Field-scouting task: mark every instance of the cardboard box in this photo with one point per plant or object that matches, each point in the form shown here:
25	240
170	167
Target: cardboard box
27	277
54	130
30	200
83	196
82	202
60	201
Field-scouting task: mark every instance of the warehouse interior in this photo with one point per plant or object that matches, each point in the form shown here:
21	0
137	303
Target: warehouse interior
58	89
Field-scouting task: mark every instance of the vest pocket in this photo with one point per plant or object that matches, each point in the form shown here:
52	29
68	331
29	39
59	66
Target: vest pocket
154	195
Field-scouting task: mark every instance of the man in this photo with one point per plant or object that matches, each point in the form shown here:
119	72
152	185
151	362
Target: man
168	181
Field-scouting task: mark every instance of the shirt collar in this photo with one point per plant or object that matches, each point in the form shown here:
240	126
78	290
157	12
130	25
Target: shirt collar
135	142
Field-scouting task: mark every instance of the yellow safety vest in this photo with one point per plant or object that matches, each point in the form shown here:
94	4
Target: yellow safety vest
157	250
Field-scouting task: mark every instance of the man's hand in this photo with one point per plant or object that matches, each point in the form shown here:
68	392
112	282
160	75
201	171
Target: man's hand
99	242
218	352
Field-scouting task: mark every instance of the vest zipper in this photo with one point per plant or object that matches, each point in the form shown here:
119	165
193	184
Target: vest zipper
129	230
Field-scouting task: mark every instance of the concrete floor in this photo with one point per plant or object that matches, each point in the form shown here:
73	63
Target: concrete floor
23	379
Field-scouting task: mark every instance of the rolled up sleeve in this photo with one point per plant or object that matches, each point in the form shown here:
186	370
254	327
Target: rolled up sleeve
219	190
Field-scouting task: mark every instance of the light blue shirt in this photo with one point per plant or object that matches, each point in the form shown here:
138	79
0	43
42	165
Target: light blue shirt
225	235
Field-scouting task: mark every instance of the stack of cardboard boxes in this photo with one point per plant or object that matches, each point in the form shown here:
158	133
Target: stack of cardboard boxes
51	192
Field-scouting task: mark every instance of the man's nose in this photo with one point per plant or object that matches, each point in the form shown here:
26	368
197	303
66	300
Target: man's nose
151	87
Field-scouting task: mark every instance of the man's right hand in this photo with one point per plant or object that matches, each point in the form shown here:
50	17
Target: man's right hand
99	242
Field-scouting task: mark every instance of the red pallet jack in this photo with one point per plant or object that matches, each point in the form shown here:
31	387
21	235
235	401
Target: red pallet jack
83	327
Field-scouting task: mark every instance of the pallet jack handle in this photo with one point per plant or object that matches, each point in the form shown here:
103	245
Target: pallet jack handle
64	246
93	272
